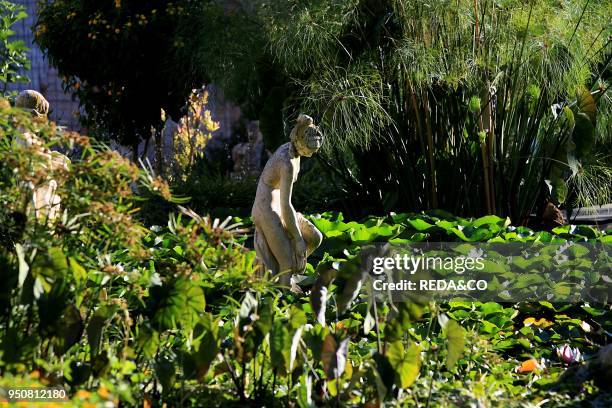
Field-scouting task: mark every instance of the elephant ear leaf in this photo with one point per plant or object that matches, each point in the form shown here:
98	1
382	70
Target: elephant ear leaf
350	281
406	362
70	329
333	356
455	340
280	346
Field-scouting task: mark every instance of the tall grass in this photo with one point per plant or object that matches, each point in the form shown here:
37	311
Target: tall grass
466	105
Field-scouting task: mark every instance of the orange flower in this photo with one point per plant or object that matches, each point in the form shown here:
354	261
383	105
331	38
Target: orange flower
528	366
103	392
83	394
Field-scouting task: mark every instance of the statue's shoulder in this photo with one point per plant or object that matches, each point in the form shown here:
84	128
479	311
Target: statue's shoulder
283	149
283	153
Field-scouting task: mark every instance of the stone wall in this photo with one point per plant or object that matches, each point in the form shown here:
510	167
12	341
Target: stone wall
43	77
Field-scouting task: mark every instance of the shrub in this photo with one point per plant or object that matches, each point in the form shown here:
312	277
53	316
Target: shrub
13	57
149	70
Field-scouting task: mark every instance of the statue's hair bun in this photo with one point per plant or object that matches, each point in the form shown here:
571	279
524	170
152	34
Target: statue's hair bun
304	120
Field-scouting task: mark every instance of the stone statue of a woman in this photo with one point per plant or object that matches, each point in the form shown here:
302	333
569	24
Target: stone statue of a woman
283	237
46	203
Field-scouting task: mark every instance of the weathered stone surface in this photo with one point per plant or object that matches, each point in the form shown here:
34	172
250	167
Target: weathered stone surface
283	237
247	157
46	203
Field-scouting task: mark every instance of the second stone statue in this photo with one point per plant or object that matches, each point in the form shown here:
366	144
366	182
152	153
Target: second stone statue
283	237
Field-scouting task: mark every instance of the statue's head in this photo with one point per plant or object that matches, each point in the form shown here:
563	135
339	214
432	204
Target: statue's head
34	102
306	137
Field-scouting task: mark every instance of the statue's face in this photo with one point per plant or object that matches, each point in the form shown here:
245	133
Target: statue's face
311	141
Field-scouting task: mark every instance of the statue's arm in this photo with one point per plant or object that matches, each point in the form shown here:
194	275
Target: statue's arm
287	211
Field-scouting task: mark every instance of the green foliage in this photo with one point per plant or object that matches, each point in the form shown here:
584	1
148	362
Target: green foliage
455	101
116	312
225	45
151	71
13	53
405	363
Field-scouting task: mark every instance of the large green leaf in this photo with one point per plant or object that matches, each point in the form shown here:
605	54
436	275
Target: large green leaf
96	325
180	303
69	330
350	280
23	265
455	342
280	346
405	362
208	345
420	225
333	356
147	340
586	103
165	371
265	313
304	397
583	135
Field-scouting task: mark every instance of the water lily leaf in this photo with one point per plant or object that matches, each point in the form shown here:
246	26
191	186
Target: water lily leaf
490	308
542	322
363	236
420	225
472	234
446	225
327	226
491	220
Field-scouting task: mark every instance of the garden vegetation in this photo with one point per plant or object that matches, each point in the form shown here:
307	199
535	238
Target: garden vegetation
489	109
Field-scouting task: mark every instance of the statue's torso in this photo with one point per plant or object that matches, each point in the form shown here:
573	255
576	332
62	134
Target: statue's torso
268	187
271	174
